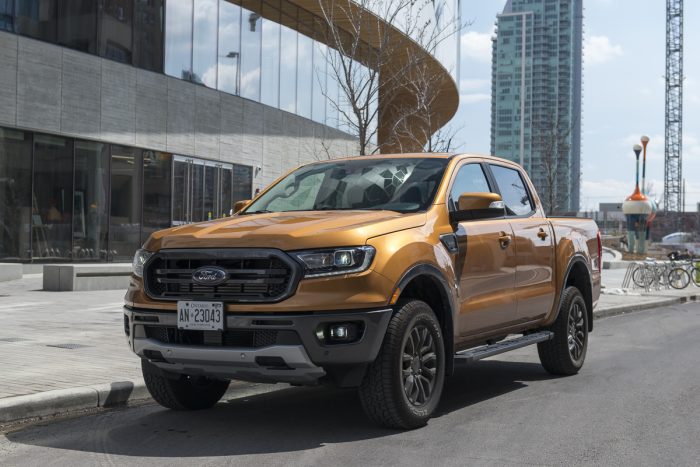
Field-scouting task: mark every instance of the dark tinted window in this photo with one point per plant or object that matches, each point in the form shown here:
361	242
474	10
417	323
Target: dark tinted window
116	30
90	201
36	18
148	35
242	183
52	225
469	179
125	206
178	39
157	172
77	25
513	191
15	193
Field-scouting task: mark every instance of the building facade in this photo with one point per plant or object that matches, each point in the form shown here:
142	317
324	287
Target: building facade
122	117
536	95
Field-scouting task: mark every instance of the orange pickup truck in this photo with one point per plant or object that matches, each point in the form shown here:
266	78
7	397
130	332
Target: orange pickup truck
371	272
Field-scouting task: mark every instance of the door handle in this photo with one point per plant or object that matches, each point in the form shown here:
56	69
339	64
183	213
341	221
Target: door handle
504	239
542	234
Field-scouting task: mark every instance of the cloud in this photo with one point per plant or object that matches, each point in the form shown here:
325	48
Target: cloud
477	45
474	98
600	50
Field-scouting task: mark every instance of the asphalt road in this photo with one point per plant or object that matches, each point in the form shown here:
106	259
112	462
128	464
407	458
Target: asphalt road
636	402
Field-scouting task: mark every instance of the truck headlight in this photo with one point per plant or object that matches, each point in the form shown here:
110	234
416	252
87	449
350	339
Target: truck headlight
140	259
335	261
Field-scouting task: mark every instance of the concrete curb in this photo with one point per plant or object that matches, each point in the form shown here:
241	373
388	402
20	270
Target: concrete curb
624	309
65	401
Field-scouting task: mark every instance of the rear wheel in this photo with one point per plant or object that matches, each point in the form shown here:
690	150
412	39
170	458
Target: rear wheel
403	386
182	392
565	353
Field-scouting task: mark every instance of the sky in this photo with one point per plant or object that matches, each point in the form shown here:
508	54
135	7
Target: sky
623	93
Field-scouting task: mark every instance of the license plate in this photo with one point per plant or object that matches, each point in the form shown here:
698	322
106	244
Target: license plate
200	316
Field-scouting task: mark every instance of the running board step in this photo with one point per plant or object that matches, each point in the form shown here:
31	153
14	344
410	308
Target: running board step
485	351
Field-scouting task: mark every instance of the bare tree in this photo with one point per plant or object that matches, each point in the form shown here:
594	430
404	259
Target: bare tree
552	141
369	61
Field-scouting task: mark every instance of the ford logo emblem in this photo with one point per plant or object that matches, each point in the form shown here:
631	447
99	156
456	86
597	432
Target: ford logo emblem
209	275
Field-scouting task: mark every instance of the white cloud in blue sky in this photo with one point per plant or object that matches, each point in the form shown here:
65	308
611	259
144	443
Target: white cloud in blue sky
623	97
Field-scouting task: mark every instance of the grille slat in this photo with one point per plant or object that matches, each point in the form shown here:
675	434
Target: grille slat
254	275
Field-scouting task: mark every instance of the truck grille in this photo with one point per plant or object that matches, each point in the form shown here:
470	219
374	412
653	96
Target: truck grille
242	338
253	275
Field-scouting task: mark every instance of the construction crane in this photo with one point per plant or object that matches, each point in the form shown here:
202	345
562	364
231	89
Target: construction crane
673	151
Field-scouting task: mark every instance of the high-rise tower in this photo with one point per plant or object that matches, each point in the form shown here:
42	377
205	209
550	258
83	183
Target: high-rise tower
536	95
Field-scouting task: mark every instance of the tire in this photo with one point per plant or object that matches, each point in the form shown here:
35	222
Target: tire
641	278
678	278
402	387
695	276
564	354
182	392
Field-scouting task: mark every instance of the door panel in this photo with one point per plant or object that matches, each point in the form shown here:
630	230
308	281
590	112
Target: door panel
201	190
534	279
487	276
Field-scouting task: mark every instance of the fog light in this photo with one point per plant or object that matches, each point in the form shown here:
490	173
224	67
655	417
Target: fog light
339	332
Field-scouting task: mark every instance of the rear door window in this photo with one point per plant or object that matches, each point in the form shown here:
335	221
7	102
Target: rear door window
513	191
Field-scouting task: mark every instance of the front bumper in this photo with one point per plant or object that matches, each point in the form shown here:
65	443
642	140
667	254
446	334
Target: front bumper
303	359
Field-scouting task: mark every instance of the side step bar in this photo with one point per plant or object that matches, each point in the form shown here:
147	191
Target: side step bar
485	351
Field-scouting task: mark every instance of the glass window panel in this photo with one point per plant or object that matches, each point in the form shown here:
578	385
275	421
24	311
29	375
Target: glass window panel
204	51
90	200
149	35
125	205
319	83
178	39
513	191
229	47
77	25
181	170
157	185
7	15
15	193
270	86
116	30
288	69
469	179
197	195
211	188
226	203
36	18
242	183
332	90
251	35
304	75
52	225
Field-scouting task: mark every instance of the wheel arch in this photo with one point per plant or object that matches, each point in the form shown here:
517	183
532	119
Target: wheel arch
425	282
579	275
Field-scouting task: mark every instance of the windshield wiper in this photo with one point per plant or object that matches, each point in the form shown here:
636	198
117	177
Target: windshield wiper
260	211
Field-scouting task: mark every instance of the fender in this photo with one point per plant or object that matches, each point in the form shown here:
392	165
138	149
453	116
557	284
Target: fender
425	269
578	258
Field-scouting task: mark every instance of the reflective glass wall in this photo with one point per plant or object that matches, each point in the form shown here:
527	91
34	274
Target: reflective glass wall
270	57
65	199
127	31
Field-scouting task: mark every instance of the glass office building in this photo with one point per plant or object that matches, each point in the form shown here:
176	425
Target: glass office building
122	117
537	62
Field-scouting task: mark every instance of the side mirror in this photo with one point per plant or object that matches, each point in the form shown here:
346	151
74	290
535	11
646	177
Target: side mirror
473	206
238	206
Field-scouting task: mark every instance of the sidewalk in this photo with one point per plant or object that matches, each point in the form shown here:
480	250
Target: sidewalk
60	341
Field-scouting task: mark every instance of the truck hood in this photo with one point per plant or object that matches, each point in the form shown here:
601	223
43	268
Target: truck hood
287	230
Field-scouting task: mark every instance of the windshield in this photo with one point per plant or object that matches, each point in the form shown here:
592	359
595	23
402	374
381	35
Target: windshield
404	185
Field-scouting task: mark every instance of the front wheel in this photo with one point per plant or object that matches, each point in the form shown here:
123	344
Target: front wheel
565	352
402	388
678	278
182	392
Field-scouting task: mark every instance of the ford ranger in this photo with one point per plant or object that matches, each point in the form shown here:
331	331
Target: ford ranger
372	272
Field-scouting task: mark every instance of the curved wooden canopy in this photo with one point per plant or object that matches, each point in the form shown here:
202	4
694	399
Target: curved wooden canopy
442	107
